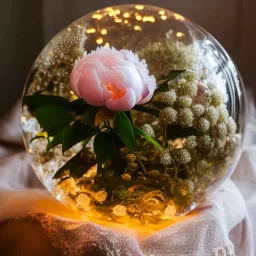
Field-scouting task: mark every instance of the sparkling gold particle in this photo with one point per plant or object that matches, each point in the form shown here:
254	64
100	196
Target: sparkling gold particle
117	11
164	17
69	29
139	7
149	19
138	28
107	44
30	151
99	40
178	17
118	20
126	14
97	16
71	92
138	17
90	30
179	34
162	12
104	31
126	22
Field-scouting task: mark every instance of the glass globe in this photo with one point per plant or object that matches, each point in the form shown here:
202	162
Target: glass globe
200	124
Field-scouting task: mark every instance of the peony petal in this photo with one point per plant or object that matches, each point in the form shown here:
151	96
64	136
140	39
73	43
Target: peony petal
88	87
124	103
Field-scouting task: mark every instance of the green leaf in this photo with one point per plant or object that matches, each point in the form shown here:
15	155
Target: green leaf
89	115
58	139
76	133
152	111
125	131
163	87
104	146
53	119
78	104
72	165
147	137
41	100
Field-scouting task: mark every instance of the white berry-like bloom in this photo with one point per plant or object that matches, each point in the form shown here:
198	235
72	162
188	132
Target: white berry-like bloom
198	110
184	101
203	125
166	97
191	142
147	128
168	116
186	117
183	156
212	114
116	79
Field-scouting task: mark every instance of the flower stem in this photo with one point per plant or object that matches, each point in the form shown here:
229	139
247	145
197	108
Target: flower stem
141	164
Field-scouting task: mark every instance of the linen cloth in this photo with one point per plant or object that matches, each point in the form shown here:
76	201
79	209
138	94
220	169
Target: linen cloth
32	222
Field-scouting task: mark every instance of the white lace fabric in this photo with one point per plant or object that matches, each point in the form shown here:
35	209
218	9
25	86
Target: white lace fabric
223	226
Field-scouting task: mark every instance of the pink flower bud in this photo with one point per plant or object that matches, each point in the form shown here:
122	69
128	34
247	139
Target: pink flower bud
116	79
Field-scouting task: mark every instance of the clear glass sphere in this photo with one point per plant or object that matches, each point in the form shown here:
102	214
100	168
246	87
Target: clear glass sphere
202	147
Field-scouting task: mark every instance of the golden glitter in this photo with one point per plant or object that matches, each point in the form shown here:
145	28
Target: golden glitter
139	7
162	12
90	30
126	14
69	29
97	16
178	17
179	34
99	40
149	19
104	31
138	17
107	44
164	17
138	28
126	22
117	20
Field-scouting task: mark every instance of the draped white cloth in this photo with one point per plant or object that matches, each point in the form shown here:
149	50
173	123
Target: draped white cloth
32	222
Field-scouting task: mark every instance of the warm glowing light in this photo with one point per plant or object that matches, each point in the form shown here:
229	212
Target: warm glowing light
164	17
117	20
138	28
69	29
126	22
107	44
138	17
104	31
30	151
178	17
99	40
139	7
148	19
117	11
97	16
90	30
179	34
126	14
162	12
71	92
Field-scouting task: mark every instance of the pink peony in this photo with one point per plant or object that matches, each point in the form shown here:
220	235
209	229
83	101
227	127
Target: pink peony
116	79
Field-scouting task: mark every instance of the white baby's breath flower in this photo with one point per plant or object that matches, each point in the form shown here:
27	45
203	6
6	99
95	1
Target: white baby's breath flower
198	110
190	142
186	117
184	101
203	125
231	126
147	128
166	97
168	116
212	115
182	156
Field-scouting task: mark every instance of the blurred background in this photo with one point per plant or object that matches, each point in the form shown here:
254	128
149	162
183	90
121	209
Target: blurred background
27	26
